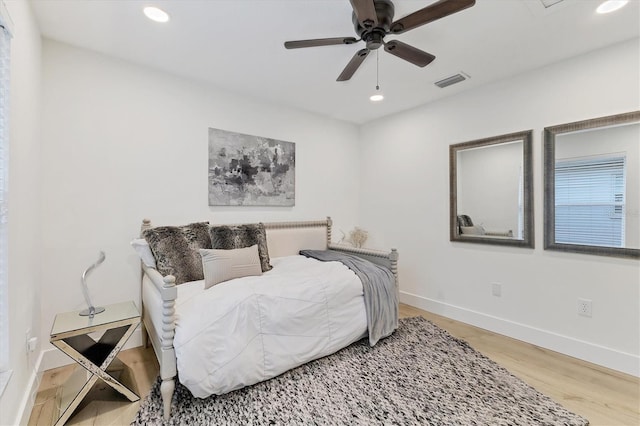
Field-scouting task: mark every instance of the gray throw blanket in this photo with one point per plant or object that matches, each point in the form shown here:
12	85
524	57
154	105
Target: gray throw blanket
379	285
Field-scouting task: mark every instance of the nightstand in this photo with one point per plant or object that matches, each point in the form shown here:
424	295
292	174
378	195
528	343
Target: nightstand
70	334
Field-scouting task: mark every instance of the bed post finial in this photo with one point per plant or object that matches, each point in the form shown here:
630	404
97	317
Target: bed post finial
394	255
329	225
393	258
146	224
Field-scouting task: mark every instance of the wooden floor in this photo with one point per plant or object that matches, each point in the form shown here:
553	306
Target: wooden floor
103	405
603	396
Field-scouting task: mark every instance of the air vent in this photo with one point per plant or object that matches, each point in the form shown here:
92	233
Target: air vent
549	3
456	78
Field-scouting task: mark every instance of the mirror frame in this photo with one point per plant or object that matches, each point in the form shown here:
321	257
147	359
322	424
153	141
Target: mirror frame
549	185
527	170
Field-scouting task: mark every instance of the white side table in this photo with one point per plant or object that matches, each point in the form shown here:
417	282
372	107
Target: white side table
70	334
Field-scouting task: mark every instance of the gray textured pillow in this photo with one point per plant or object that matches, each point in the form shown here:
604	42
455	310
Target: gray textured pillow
241	236
176	249
224	265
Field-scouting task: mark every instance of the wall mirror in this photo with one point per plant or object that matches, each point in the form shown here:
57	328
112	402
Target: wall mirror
491	190
592	186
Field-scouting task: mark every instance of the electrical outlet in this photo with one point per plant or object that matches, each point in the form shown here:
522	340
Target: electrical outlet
585	307
32	344
496	289
27	337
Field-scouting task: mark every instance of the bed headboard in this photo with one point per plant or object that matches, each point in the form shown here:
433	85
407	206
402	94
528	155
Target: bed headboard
288	238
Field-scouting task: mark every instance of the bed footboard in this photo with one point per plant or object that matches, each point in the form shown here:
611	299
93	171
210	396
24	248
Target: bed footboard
383	258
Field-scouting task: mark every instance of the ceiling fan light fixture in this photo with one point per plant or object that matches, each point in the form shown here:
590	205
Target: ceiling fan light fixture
376	97
611	6
374	19
156	14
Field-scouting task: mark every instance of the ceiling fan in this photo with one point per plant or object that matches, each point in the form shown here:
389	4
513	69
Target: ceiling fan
373	20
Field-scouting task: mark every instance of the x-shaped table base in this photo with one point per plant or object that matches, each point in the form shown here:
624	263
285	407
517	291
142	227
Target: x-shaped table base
95	357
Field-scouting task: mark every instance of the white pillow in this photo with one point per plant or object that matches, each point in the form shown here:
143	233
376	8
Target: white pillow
221	265
472	230
141	246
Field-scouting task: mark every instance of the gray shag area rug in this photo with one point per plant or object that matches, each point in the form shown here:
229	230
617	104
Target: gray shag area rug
420	375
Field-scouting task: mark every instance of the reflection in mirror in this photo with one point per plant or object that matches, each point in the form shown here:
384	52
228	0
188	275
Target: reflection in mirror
491	197
487	194
592	186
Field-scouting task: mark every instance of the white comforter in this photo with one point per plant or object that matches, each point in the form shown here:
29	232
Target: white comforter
247	330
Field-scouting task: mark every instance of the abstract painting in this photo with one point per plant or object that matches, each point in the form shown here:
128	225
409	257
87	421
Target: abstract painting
246	170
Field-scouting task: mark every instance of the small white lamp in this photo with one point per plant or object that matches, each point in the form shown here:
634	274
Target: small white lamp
91	311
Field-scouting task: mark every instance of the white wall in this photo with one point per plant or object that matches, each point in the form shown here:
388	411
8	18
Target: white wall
123	142
405	202
24	208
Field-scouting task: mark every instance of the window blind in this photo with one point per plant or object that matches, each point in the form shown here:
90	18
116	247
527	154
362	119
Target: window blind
590	201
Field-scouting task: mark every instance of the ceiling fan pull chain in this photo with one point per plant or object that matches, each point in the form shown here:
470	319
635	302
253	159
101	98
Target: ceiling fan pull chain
377	70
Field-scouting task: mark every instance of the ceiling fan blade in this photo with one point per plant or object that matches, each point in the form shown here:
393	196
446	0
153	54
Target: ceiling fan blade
319	42
353	64
430	13
409	53
365	11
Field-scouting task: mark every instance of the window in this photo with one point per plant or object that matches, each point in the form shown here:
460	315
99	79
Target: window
5	37
590	200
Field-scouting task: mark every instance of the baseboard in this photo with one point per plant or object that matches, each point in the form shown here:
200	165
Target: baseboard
29	397
596	354
53	358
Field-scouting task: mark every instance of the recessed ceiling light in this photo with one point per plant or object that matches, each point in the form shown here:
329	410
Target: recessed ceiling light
611	5
156	14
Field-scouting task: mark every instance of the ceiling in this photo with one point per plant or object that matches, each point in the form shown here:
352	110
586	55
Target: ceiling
237	45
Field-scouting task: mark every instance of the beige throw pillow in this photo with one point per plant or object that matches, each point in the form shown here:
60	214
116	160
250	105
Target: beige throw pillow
240	236
472	230
221	265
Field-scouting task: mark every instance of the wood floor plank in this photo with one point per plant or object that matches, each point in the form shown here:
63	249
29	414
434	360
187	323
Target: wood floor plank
605	397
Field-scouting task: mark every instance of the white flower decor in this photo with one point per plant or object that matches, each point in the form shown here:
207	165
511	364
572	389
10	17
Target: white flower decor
358	237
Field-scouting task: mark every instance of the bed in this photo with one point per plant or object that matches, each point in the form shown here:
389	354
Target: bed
239	332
